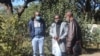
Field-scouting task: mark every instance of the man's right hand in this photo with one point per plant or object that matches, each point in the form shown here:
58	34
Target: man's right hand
68	49
56	38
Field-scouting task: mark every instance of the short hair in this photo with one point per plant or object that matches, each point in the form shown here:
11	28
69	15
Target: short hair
35	12
70	13
57	15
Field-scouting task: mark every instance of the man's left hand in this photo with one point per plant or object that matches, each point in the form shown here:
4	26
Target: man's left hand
68	49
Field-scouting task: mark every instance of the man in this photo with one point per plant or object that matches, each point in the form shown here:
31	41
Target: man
74	39
37	30
58	32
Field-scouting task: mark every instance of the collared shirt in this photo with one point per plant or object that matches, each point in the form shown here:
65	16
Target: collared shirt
71	29
36	24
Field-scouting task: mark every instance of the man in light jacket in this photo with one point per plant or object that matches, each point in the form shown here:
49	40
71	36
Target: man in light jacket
58	32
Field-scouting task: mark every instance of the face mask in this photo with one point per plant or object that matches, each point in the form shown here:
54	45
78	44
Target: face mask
37	17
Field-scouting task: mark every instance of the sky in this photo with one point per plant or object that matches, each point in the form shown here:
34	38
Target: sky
15	3
18	2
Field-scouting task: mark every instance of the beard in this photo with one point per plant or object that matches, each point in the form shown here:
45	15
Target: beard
58	22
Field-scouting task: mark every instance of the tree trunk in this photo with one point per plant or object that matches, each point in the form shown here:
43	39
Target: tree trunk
9	8
22	9
7	5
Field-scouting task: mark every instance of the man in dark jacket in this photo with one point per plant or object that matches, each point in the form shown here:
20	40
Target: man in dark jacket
37	30
74	38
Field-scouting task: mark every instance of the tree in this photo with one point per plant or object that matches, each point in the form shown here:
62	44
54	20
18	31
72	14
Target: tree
9	7
14	35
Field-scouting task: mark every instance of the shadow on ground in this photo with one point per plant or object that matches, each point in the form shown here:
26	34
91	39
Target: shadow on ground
90	50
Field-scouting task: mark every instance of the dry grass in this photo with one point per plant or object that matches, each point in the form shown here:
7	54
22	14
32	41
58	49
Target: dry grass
94	54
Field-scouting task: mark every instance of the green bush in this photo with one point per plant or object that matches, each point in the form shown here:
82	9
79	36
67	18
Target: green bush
14	35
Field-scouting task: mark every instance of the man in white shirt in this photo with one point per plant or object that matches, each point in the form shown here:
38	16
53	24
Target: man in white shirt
58	32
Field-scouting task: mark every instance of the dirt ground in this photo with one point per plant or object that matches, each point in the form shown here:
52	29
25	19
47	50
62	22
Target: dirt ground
93	54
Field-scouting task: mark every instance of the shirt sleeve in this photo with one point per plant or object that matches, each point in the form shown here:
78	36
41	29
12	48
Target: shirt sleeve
30	26
51	32
65	31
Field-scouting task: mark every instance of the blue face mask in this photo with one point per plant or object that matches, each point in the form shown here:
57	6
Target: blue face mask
37	17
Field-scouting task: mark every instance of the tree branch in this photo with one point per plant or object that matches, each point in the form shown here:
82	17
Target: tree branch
22	9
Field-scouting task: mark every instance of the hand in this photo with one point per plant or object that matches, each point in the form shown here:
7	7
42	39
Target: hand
77	42
56	38
68	50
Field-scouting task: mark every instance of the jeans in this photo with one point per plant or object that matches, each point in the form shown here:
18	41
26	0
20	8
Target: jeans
38	46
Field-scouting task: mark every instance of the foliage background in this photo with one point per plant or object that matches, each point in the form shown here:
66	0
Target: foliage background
14	35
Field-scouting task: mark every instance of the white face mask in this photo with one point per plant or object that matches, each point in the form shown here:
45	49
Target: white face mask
37	18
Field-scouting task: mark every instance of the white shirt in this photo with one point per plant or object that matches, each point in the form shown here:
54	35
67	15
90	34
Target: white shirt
36	24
